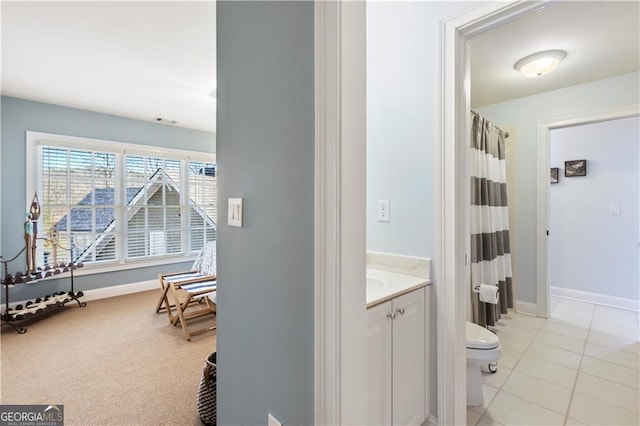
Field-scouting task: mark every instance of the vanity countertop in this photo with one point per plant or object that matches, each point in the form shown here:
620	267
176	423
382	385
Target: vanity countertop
384	285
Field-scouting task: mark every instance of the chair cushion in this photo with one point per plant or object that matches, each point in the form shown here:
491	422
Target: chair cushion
200	287
182	277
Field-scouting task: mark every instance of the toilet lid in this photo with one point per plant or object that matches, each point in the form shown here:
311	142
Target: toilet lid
480	338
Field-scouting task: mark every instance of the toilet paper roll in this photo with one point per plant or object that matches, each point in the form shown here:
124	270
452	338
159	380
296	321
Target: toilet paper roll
489	293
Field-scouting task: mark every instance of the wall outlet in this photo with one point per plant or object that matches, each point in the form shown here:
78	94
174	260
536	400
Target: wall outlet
383	211
614	208
273	421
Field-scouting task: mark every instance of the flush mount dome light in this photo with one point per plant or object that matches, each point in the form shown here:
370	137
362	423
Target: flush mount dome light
540	63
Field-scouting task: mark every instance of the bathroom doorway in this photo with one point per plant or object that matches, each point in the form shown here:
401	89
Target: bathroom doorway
456	35
609	210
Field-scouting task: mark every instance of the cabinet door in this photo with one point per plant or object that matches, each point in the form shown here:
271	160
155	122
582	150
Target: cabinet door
379	365
409	396
429	352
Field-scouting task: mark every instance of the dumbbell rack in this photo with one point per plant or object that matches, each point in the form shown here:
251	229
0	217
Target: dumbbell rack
31	309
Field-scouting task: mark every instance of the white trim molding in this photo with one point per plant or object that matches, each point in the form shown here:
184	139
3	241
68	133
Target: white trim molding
120	290
452	219
326	228
432	420
53	139
339	231
596	298
452	269
542	213
112	291
526	308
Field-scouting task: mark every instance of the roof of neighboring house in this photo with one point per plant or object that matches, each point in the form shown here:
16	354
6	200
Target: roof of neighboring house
80	218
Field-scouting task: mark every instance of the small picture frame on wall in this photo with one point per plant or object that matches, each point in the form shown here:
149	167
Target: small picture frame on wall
575	168
555	172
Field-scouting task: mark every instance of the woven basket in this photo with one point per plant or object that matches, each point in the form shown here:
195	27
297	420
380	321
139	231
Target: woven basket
207	392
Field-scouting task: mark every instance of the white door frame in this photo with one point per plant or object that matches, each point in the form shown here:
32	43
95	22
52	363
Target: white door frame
452	269
340	225
542	214
340	65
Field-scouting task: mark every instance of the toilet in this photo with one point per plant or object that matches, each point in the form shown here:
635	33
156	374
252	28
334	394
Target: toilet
483	348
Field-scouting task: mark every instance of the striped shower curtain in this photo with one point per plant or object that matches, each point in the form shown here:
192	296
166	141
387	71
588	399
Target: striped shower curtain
490	250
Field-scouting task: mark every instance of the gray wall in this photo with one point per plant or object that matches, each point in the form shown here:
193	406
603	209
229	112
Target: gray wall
18	116
265	154
590	249
523	115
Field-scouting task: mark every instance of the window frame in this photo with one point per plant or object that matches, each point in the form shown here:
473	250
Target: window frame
34	140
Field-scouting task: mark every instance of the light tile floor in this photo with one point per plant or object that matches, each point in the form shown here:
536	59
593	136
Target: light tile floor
581	366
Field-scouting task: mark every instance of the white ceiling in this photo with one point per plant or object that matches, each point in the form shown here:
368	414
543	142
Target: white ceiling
136	59
157	59
601	38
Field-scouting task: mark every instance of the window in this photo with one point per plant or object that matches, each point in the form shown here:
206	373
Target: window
154	215
202	204
111	202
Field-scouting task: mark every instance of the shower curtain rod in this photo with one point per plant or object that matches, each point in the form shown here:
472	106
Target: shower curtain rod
506	134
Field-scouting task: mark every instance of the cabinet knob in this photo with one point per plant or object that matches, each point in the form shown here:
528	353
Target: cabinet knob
391	315
400	311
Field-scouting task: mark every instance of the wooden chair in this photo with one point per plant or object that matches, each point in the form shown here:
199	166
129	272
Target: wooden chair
184	294
178	277
204	268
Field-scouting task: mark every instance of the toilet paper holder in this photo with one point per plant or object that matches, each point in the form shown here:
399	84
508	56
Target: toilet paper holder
476	289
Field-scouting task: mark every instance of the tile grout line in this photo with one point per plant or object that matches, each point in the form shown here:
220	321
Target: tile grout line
546	344
579	370
590	331
484	411
525	351
573	390
535	403
566	415
509	374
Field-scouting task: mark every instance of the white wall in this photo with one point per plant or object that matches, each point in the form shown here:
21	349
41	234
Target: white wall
589	249
402	130
402	123
524	114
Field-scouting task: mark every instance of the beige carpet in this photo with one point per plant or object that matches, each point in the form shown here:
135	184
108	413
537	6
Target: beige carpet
114	362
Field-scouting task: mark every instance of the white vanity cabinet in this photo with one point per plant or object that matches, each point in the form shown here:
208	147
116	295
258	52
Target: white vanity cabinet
397	363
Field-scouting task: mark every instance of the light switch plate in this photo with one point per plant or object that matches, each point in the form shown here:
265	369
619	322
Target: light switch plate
234	214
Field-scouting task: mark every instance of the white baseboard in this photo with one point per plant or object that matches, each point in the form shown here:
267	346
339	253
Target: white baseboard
526	308
120	290
596	298
115	290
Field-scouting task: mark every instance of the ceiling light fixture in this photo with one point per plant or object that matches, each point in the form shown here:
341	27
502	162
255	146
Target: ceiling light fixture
540	63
